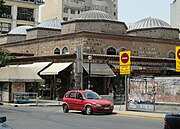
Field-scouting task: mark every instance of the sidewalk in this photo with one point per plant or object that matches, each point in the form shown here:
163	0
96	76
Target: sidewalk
119	109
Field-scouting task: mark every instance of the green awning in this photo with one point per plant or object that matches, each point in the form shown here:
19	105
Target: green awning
99	70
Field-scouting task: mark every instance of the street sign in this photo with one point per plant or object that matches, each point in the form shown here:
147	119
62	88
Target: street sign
125	58
177	53
125	62
178	59
125	69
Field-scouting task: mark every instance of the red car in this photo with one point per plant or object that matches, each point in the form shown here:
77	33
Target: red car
86	101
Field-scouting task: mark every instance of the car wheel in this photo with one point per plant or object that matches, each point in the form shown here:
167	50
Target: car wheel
65	108
89	110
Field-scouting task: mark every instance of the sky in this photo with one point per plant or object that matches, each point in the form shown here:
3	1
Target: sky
131	11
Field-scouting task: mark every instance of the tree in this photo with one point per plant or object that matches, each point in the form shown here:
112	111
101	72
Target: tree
4	57
2	2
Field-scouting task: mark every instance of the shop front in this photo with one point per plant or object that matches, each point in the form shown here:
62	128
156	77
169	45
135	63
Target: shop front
17	80
58	77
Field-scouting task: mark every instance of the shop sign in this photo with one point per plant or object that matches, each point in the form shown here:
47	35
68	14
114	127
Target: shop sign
178	59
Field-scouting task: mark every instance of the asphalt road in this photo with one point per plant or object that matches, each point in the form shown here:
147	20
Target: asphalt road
54	118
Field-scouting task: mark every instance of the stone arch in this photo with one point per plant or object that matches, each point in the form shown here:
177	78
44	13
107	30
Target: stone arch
111	51
121	50
65	50
171	54
57	51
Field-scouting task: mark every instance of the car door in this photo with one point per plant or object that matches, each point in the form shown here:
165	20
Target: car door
79	102
71	100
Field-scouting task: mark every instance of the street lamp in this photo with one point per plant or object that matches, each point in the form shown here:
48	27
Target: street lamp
89	76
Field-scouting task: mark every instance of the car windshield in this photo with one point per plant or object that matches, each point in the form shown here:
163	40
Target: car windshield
91	95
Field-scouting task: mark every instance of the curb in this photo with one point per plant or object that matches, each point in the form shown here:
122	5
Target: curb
141	115
31	105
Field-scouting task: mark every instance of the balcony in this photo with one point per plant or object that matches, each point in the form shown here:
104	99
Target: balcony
32	1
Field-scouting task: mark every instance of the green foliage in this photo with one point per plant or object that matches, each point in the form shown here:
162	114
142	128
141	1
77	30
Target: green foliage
2	1
4	57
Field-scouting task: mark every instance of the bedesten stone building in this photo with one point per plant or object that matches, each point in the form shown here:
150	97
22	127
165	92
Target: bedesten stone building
151	41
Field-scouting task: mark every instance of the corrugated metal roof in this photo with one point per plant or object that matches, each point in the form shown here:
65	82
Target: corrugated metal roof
20	30
149	23
94	14
52	24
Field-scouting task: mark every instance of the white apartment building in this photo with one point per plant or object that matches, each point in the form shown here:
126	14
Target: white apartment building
68	9
174	14
15	13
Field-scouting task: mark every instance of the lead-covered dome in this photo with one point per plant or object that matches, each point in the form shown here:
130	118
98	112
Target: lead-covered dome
52	24
21	30
94	14
149	23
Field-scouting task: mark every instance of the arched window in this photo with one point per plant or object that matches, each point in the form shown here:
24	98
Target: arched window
111	51
121	50
171	55
57	51
65	50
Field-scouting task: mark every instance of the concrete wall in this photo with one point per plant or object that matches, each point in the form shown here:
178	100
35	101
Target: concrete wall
108	27
156	33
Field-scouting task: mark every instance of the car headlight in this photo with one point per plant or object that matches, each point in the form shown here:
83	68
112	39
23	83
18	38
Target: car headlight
98	105
112	104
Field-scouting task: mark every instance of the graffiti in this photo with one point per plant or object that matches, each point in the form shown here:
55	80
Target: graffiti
167	90
141	91
158	89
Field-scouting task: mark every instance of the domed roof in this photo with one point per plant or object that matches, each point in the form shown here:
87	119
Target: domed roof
52	24
94	14
149	23
20	30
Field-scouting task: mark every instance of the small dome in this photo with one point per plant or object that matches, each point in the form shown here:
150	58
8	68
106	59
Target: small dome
52	24
149	23
20	30
94	14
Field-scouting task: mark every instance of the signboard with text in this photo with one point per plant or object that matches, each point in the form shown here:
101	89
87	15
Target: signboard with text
124	58
125	69
178	59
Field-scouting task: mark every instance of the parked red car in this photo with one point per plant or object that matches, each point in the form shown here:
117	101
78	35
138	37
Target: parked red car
86	101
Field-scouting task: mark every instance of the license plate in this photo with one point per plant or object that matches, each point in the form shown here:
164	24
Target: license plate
106	108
